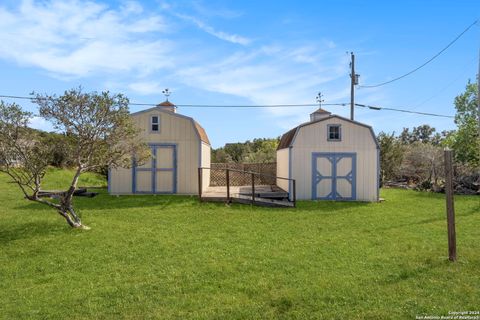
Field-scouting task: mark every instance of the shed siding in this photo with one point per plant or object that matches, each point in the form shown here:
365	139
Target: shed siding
174	129
354	138
120	181
282	168
205	163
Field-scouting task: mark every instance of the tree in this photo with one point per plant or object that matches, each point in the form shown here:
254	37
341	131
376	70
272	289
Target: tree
101	133
423	134
466	141
24	154
423	163
262	150
391	155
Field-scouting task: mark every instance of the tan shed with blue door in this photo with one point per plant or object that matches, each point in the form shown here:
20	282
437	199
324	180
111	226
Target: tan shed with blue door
330	158
179	146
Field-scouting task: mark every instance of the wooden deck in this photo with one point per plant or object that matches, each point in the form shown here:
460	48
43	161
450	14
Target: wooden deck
265	195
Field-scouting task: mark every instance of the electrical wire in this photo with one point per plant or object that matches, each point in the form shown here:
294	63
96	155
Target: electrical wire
243	106
449	84
207	105
268	106
404	111
425	63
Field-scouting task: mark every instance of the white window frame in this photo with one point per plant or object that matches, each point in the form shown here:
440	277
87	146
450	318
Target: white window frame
339	132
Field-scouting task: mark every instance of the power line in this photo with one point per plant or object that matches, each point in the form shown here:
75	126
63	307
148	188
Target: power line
204	105
458	77
404	111
425	63
242	106
268	106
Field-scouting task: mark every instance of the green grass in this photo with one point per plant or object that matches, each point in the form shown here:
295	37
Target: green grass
169	257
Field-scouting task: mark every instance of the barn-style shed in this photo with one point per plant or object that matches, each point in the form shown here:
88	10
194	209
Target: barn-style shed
179	147
330	158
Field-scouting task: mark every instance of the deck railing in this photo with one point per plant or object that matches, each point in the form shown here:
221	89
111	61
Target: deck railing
238	178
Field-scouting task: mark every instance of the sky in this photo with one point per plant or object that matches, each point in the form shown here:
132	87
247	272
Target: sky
245	53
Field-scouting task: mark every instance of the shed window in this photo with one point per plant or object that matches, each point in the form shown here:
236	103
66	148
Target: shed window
155	123
334	132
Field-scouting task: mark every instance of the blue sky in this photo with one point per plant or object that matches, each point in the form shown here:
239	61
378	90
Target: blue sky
244	52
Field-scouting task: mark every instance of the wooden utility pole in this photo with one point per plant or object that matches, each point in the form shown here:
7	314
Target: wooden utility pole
478	90
452	241
352	86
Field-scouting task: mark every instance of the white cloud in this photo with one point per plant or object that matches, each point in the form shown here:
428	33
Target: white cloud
146	87
132	50
271	75
233	38
40	123
77	38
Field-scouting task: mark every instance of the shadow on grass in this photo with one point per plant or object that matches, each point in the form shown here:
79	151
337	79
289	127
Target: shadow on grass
436	195
412	273
32	230
105	201
458	214
328	207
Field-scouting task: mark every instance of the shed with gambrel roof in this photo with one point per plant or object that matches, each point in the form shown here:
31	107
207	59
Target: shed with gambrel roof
331	158
179	146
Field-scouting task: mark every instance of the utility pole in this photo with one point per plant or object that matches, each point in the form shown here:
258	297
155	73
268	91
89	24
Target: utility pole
352	86
478	90
353	82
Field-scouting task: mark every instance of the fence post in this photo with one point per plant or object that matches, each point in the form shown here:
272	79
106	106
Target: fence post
452	242
228	184
294	194
253	188
200	184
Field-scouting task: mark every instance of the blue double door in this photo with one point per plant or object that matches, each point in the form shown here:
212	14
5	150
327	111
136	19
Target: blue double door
334	176
159	174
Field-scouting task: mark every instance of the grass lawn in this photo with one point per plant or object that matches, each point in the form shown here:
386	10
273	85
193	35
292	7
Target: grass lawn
171	257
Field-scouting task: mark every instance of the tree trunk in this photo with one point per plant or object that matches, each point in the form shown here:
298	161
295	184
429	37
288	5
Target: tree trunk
66	209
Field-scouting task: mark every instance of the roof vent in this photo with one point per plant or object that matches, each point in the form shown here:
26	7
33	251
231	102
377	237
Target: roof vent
319	114
167	106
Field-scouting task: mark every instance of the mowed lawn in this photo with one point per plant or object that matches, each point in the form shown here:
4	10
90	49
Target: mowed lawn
171	257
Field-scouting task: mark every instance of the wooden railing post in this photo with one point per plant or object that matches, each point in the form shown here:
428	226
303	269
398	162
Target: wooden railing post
228	184
294	193
253	188
200	183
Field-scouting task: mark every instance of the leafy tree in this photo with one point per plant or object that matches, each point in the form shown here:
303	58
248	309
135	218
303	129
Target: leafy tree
423	134
220	156
466	141
100	132
260	150
236	151
391	155
263	151
24	153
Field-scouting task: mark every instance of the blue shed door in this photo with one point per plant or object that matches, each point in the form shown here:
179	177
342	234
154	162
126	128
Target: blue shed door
158	175
333	176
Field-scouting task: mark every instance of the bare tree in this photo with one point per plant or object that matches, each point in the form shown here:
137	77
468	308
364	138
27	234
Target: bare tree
101	133
424	163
